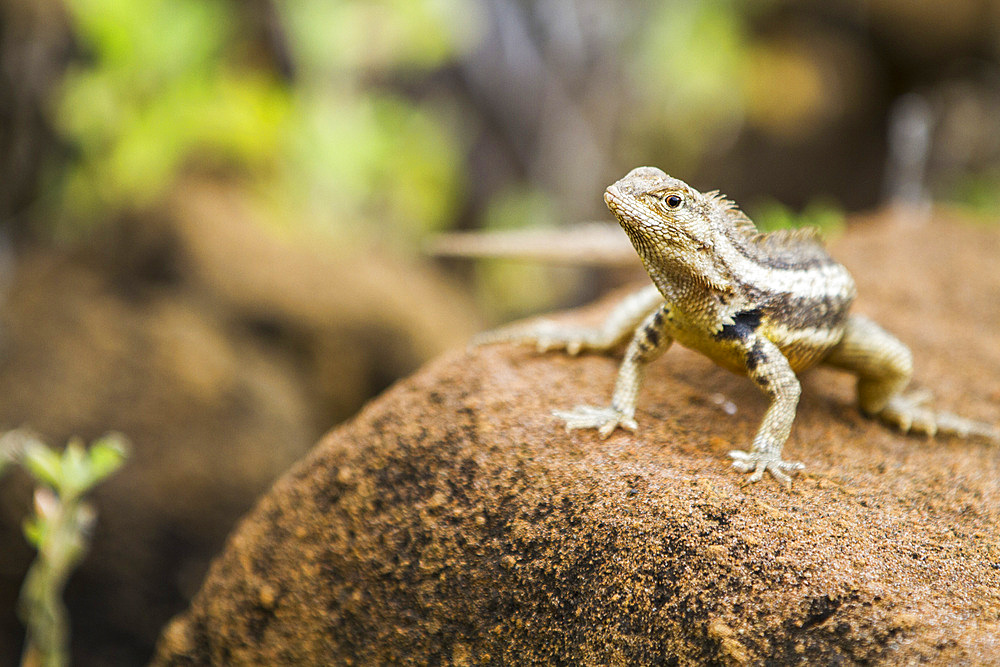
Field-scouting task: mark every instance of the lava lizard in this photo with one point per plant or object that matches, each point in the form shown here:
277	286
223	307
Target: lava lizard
763	305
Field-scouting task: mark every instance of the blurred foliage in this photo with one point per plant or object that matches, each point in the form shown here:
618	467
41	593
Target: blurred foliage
685	70
153	94
355	152
344	37
823	214
700	75
978	193
163	88
510	289
390	119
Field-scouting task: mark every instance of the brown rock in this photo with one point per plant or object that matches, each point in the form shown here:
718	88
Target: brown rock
455	521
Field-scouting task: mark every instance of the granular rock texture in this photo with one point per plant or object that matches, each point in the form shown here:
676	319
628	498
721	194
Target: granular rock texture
455	522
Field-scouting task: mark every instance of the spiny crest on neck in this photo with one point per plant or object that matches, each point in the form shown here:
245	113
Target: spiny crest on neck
794	245
730	212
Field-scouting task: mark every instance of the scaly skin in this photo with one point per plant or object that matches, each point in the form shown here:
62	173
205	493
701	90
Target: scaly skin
763	305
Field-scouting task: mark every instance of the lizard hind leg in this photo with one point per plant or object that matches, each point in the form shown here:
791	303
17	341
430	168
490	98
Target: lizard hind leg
884	367
547	335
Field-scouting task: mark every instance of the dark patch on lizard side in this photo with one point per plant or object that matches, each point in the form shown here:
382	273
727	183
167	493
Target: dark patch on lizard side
745	323
756	356
652	336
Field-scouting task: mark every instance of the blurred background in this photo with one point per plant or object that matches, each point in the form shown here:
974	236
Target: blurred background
213	213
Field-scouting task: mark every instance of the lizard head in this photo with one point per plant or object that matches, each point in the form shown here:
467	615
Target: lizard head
670	224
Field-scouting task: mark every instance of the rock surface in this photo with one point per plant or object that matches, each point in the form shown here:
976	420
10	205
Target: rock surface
454	521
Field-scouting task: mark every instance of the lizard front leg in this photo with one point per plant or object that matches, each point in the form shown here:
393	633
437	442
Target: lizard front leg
649	342
884	366
547	335
771	372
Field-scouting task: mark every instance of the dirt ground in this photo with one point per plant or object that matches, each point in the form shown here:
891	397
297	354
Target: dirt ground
454	520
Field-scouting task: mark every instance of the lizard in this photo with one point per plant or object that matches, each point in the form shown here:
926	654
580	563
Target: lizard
763	305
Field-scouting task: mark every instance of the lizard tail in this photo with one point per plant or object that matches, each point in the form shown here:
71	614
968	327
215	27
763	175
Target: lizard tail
909	415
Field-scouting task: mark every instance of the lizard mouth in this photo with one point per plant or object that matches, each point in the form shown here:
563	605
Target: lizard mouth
611	194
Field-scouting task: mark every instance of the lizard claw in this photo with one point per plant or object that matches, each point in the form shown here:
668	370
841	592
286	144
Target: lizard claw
605	419
906	413
759	462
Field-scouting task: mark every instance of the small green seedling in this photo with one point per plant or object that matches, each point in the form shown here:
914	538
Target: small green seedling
59	529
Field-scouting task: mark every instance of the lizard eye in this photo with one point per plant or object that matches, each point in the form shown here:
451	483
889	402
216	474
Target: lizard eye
673	201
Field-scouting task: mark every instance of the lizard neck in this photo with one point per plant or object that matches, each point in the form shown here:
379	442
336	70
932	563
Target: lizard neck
679	270
689	290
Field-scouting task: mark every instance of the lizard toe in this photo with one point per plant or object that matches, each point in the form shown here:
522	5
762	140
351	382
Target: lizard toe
757	463
604	419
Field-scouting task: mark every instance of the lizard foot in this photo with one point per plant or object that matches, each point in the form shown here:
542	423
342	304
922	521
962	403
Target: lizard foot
758	462
546	336
909	414
605	419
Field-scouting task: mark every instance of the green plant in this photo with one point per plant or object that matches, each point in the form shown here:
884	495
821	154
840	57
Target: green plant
59	530
154	92
165	86
824	215
976	193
